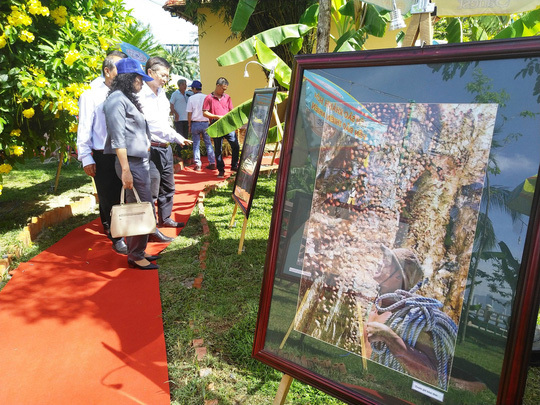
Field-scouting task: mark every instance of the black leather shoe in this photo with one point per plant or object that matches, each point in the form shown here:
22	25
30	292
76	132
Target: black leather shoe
234	169
152	257
120	247
150	266
169	223
211	167
157	236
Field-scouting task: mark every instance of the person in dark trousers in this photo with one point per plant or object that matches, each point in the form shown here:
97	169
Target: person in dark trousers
91	135
215	106
129	140
156	109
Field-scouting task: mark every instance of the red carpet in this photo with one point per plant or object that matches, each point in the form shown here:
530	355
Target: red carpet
79	327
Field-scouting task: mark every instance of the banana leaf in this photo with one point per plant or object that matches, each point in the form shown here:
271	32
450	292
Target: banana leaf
270	61
244	9
239	116
272	37
526	26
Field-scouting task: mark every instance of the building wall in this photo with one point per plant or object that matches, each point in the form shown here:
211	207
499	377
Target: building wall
212	43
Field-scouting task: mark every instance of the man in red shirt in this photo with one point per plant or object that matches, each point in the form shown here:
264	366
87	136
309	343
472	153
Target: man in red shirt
215	106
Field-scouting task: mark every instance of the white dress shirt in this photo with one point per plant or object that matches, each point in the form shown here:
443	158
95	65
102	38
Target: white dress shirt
194	106
92	130
156	109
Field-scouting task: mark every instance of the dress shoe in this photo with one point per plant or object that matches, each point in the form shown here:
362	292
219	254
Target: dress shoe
169	223
152	258
120	246
211	167
151	266
221	175
157	236
234	169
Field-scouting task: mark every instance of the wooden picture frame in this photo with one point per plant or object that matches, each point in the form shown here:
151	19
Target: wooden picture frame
253	148
405	152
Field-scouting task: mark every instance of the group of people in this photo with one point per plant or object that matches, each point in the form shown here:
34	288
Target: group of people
124	140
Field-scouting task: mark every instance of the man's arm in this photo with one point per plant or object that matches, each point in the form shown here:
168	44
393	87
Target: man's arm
84	133
174	113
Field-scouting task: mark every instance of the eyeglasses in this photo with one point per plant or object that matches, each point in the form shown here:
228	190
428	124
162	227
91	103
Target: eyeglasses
163	76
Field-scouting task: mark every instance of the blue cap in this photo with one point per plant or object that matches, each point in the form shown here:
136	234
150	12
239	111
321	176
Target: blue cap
128	65
195	84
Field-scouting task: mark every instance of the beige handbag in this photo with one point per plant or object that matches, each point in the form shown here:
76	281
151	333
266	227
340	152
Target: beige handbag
132	218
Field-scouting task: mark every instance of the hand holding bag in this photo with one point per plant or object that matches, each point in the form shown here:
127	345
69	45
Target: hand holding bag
132	218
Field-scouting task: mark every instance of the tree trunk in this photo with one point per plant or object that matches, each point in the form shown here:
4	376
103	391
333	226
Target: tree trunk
323	27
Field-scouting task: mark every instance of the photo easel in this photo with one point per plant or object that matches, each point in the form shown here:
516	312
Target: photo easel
244	226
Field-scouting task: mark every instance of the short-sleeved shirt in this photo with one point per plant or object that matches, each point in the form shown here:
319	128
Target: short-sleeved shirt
195	106
179	101
218	106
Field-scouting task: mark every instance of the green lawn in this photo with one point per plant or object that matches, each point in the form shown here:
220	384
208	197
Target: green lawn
223	312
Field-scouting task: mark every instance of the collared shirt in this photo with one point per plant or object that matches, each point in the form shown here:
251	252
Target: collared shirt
156	109
179	101
92	130
217	105
195	107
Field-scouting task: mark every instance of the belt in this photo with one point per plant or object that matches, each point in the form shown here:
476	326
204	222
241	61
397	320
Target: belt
159	145
199	121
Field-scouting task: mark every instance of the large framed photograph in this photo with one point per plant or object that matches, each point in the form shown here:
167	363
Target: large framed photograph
253	148
418	274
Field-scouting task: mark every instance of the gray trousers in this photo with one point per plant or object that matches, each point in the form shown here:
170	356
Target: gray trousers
140	170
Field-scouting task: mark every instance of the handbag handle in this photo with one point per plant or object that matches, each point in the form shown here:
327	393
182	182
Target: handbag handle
123	194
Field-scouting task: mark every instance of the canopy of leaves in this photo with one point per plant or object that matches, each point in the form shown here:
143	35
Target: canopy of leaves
49	50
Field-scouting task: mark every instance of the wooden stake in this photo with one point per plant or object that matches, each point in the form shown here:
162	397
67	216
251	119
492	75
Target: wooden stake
233	214
242	236
294	320
283	389
58	169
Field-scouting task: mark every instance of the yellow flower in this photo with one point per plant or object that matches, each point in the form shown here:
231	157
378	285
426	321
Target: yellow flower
35	7
71	57
15	132
70	105
5	168
109	14
3	41
1	187
73	127
18	17
26	36
59	15
93	62
29	113
42	82
80	23
16	150
104	43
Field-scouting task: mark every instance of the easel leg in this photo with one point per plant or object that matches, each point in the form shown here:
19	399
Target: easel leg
233	215
283	389
241	245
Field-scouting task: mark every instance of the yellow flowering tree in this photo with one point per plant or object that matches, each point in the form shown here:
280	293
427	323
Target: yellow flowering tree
49	51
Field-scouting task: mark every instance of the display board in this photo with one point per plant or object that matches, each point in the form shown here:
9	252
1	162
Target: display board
414	277
253	148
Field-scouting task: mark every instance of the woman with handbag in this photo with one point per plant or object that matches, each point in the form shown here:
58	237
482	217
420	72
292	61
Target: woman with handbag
127	137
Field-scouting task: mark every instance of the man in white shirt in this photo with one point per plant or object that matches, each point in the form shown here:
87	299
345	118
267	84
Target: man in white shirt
197	124
156	109
178	102
91	135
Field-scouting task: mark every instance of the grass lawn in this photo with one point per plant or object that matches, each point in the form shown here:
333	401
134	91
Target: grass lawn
223	312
